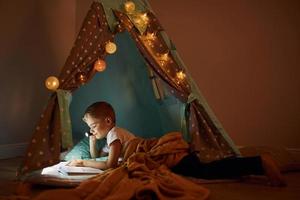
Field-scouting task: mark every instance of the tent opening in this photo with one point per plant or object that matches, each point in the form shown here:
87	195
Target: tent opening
126	85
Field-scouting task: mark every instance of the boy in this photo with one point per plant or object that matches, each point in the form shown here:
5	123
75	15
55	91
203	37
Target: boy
100	117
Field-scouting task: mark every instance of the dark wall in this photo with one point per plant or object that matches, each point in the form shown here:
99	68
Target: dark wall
244	55
36	37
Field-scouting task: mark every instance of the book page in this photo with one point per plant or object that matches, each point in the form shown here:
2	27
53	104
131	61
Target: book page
63	169
78	170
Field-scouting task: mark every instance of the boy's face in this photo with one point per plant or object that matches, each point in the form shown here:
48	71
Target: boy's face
99	127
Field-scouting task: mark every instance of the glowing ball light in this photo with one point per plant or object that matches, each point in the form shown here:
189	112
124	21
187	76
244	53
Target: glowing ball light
110	47
129	6
52	83
100	65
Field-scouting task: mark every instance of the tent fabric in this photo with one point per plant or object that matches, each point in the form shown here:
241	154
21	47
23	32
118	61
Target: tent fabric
64	100
82	149
207	137
126	85
196	93
45	146
109	6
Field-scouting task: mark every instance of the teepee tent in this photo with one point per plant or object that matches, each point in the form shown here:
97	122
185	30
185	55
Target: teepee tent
105	20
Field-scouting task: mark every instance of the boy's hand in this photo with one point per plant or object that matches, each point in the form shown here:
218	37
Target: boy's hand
92	139
76	163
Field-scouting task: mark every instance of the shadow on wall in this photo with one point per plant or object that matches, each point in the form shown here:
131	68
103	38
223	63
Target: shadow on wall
126	85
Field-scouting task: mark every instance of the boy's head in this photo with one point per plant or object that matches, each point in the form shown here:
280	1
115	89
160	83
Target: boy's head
100	117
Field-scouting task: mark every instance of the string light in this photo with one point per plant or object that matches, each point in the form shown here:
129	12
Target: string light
145	18
141	19
180	75
138	20
165	57
81	77
149	38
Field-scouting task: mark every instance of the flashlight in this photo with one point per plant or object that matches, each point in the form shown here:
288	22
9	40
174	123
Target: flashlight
88	134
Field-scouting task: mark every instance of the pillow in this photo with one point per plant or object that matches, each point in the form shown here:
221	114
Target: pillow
287	160
82	150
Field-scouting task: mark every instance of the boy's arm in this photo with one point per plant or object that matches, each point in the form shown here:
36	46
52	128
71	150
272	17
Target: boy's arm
102	153
112	161
93	150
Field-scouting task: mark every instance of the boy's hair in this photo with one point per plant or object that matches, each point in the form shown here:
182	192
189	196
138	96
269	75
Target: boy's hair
102	110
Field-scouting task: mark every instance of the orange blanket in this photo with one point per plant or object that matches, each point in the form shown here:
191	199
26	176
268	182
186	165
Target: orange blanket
143	175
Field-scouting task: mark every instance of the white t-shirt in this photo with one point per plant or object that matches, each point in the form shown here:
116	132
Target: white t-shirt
117	133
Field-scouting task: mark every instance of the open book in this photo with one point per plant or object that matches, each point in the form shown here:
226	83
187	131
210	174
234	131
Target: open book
63	169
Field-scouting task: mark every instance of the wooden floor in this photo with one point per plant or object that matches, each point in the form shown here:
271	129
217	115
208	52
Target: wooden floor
8	182
8	168
257	191
219	191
